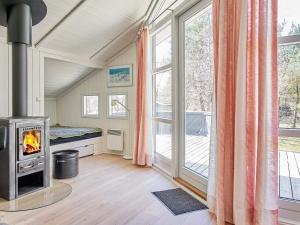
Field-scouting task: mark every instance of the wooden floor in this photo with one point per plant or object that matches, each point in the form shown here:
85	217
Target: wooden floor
110	190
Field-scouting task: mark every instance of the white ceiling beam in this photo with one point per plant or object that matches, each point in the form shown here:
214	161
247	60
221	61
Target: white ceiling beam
127	29
76	7
54	54
120	52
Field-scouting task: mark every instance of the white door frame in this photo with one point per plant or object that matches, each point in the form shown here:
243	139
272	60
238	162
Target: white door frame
161	162
178	48
289	210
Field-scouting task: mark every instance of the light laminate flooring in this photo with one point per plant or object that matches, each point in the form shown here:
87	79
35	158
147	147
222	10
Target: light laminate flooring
110	191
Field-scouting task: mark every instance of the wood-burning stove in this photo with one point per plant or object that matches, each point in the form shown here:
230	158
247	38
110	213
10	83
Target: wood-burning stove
24	156
24	141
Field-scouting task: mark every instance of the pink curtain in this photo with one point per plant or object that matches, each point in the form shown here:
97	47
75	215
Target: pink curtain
141	156
243	180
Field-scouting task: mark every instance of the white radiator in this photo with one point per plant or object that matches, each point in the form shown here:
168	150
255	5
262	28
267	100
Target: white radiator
115	140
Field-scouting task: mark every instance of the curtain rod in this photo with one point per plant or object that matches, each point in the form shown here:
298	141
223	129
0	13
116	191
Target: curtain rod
167	9
148	17
159	8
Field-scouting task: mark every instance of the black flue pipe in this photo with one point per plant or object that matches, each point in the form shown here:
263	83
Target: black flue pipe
19	80
19	16
19	30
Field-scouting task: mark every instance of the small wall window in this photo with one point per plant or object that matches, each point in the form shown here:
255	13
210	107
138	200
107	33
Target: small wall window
117	106
90	106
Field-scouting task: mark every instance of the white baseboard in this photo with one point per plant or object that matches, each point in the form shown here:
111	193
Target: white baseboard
288	222
127	157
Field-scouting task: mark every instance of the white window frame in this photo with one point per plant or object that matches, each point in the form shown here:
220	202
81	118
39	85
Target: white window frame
161	161
125	117
83	115
188	11
289	208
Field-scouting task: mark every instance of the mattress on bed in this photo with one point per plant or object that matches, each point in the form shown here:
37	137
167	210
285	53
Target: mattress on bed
63	134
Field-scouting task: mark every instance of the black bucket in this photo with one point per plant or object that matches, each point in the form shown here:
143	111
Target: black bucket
65	164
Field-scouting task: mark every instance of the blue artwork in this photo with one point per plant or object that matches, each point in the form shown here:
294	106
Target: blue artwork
119	76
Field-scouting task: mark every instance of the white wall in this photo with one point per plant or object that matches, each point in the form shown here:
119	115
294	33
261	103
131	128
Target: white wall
4	80
69	104
35	81
50	110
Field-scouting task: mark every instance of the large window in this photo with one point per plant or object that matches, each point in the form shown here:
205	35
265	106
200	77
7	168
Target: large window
289	98
162	92
90	106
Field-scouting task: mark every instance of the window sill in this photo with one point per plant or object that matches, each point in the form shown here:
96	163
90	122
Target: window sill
117	117
90	117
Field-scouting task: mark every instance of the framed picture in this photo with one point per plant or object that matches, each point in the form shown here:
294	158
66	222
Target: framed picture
119	76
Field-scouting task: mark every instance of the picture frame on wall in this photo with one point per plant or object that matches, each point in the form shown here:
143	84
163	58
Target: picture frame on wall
119	76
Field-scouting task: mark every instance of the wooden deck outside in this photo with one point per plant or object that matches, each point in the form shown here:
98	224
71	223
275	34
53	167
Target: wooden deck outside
289	180
197	157
197	160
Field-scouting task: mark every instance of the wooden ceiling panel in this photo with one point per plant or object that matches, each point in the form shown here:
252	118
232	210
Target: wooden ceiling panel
56	9
94	24
118	45
61	75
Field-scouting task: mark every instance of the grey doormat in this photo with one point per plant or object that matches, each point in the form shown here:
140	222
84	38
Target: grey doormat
178	201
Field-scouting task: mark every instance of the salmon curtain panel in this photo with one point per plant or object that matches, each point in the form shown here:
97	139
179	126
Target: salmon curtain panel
243	179
142	149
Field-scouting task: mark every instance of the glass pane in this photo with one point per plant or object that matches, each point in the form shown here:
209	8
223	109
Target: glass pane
163	47
31	142
289	85
198	91
289	164
117	105
91	105
163	95
288	17
163	139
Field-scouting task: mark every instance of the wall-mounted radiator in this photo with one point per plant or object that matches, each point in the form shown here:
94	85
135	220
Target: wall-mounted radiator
115	140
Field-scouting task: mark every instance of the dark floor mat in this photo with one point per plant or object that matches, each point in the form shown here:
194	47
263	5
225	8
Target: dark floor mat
178	201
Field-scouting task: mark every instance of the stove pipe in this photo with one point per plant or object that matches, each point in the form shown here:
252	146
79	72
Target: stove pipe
19	16
19	28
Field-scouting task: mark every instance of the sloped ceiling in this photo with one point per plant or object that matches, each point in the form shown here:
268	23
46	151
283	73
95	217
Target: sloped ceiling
91	30
90	27
61	75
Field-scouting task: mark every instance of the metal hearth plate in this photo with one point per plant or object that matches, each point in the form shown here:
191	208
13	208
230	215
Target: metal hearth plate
45	197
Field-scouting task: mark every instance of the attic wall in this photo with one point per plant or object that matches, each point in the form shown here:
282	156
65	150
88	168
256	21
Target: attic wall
50	110
69	104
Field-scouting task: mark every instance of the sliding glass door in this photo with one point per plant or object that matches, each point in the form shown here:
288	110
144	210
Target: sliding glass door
289	106
196	93
162	97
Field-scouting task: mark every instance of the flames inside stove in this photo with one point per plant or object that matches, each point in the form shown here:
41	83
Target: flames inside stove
31	142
